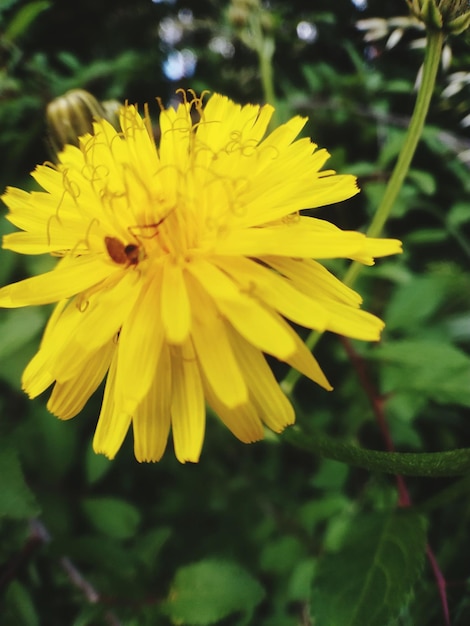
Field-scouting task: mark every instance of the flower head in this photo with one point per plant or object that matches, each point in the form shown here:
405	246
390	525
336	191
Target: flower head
452	16
181	266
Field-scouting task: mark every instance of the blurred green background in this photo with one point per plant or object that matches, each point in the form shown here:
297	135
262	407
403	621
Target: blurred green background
262	534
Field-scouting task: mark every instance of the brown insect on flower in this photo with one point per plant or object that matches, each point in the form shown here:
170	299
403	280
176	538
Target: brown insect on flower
120	253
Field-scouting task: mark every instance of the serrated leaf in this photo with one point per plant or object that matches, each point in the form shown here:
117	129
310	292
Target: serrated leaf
371	578
208	591
414	302
16	499
113	517
433	368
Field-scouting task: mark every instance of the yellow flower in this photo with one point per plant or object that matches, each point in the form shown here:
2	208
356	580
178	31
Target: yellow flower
180	266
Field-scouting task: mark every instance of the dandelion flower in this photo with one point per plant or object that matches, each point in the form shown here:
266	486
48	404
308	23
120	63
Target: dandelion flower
181	267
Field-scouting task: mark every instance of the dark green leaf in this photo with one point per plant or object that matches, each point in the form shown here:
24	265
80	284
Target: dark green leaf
19	608
208	591
16	499
96	465
371	578
113	517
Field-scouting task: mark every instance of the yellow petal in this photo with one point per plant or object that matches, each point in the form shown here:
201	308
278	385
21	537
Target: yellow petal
175	304
290	184
314	280
281	137
175	128
214	352
354	323
294	240
112	424
242	421
228	126
263	328
267	286
151	421
188	412
265	394
36	376
304	361
140	344
62	282
78	332
69	398
374	248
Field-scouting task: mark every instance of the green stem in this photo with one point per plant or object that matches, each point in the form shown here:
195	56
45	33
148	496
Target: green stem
430	464
435	40
265	56
434	43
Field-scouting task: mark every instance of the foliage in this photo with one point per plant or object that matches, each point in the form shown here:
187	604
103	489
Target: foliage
270	534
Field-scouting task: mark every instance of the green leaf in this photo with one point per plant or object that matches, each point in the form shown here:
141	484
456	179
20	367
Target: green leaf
17	328
431	367
96	465
427	235
371	578
281	555
16	499
19	607
150	544
208	591
459	214
415	302
424	181
392	147
24	18
113	517
300	582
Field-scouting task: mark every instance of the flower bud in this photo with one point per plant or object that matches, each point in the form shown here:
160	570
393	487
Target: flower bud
451	16
111	112
70	116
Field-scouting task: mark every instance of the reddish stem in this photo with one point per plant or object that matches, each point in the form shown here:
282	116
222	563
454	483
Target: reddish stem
404	500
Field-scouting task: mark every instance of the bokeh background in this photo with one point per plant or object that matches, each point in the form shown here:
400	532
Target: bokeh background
238	538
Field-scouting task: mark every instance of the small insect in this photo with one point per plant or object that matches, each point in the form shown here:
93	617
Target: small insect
120	253
131	254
